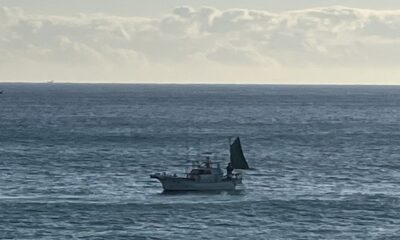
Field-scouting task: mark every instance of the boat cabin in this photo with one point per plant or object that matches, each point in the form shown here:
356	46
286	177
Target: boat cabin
206	172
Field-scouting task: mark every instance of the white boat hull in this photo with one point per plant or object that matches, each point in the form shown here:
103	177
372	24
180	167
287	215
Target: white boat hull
186	184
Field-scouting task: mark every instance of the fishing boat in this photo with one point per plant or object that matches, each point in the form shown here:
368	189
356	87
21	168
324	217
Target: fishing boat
206	175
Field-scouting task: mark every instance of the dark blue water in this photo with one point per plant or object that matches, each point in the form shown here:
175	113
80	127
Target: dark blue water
75	161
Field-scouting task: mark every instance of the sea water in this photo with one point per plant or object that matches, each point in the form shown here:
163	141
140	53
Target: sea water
75	161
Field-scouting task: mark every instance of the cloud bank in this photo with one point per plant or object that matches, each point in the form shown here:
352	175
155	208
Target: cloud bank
319	45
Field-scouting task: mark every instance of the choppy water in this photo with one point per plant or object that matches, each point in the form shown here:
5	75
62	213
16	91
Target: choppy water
75	161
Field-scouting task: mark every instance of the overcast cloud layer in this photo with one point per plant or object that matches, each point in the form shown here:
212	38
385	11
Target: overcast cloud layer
320	45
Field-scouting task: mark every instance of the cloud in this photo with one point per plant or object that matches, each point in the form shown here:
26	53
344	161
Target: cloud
185	42
239	57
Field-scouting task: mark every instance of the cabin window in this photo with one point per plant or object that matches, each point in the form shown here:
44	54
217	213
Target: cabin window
200	172
204	172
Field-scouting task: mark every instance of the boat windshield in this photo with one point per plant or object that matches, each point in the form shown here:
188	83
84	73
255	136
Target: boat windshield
200	171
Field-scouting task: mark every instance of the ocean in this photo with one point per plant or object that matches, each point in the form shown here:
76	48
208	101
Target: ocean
75	161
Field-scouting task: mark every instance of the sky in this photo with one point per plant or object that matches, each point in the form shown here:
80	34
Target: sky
225	41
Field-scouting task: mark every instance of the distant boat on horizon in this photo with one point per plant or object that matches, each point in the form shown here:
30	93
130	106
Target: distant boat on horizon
51	81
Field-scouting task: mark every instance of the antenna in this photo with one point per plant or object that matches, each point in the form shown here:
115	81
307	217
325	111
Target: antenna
187	150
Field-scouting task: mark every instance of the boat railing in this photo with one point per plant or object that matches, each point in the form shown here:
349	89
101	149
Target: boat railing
166	174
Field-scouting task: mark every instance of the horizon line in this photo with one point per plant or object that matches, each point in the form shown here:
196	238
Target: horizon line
197	83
